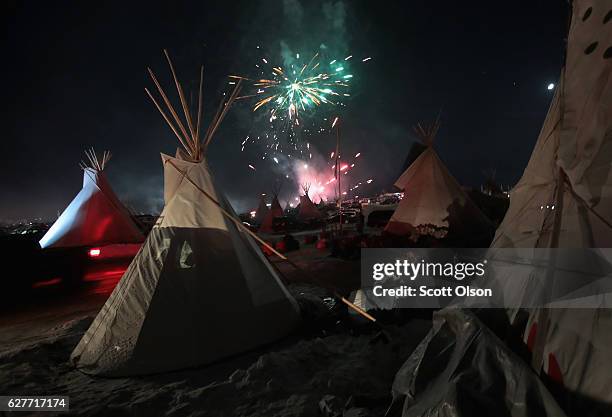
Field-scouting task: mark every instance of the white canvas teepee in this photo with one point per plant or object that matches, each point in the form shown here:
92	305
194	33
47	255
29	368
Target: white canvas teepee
199	290
564	200
432	197
95	216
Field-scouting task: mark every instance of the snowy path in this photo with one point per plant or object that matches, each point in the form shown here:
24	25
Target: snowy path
330	362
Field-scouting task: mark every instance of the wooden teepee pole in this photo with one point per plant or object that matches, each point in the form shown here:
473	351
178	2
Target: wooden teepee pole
199	118
189	148
224	109
179	89
185	144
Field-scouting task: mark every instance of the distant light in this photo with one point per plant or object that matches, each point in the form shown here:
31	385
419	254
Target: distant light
551	86
94	252
253	213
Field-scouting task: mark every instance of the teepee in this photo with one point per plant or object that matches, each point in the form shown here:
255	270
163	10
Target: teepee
262	210
200	289
307	209
275	207
433	201
564	200
274	212
416	149
96	216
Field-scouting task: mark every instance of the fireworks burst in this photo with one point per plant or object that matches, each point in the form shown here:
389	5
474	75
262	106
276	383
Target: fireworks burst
296	100
301	88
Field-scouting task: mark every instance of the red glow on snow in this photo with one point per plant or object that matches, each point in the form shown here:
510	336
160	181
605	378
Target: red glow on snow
47	283
104	275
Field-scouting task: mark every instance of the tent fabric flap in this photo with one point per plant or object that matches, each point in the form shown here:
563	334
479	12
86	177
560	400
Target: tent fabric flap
462	369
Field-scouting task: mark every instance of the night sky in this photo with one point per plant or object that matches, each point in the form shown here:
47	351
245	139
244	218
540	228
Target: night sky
74	75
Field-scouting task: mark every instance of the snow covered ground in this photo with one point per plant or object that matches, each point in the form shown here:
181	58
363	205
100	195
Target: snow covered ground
331	366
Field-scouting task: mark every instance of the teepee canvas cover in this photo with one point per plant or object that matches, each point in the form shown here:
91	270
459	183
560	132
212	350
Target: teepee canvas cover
276	208
95	217
307	210
199	290
564	199
432	196
274	212
262	210
416	149
575	143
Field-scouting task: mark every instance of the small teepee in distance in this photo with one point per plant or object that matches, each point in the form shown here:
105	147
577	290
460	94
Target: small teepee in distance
274	212
307	209
95	216
262	209
433	199
275	207
200	289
